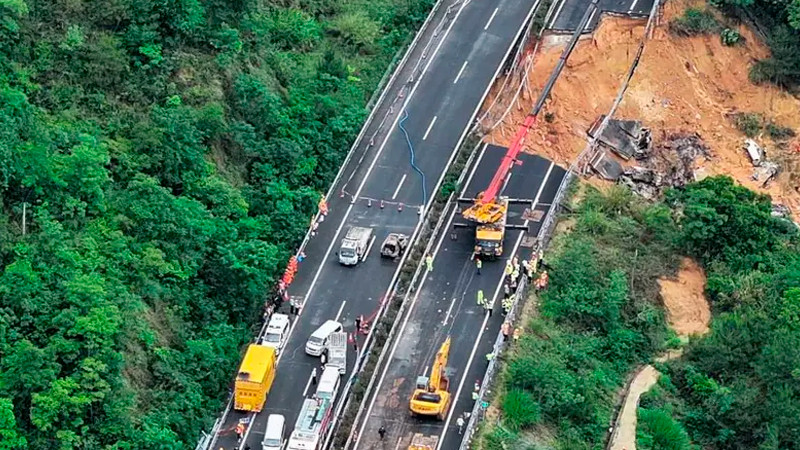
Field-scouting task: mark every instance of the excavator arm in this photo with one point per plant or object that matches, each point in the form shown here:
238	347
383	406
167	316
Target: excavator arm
437	372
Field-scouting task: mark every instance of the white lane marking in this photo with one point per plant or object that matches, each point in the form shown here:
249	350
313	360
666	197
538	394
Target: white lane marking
308	383
429	128
494	298
491	19
558	11
425	372
249	427
341	308
464	66
399	185
633	5
411	306
589	22
372	166
369	247
449	310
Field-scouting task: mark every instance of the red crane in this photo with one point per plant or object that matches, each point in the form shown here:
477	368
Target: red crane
487	209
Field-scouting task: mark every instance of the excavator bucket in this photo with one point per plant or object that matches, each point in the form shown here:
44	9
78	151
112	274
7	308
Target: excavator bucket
484	213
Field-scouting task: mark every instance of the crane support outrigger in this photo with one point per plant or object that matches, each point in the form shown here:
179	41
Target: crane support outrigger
489	210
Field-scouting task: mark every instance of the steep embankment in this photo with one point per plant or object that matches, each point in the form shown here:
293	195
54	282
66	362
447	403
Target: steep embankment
688	314
692	84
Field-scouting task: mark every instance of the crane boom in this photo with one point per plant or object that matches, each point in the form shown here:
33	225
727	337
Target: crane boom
491	193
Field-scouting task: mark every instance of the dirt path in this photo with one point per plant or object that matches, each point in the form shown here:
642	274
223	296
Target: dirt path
688	314
624	437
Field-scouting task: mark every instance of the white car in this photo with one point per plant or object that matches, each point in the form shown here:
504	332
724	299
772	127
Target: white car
277	330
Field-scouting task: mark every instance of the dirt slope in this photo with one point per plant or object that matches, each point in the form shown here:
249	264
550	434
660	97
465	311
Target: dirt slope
687	309
685	84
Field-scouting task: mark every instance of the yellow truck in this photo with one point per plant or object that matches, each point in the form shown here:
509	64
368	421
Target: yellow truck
254	378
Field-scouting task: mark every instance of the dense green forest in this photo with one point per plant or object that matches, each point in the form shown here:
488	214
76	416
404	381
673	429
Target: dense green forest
736	388
165	158
739	387
597	320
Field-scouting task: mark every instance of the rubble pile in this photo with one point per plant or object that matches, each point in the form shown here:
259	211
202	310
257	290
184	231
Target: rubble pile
670	163
765	170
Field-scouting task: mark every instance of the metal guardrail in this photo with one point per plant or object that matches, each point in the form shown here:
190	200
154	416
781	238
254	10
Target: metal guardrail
545	232
500	344
207	440
411	289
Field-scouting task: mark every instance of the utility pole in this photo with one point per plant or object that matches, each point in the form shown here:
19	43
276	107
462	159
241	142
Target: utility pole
24	213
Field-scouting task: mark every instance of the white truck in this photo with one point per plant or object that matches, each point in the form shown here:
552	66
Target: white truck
355	245
314	418
315	415
337	351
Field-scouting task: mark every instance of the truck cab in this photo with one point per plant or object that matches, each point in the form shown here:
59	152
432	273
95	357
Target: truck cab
355	245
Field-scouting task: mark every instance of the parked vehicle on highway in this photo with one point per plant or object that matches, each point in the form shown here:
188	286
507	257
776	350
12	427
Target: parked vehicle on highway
432	395
355	245
318	340
328	385
422	442
313	421
277	331
337	351
273	434
394	245
254	378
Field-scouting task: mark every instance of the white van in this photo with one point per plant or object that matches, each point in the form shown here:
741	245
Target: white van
328	384
319	339
277	330
273	435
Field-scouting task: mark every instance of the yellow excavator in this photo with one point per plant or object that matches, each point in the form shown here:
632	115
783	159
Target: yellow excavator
432	396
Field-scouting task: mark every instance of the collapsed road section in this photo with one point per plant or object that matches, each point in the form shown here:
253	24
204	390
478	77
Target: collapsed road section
396	167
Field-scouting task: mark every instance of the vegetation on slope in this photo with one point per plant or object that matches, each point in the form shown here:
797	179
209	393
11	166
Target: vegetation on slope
599	319
780	22
737	388
167	156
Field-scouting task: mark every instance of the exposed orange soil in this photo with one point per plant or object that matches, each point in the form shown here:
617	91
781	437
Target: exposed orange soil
688	311
687	84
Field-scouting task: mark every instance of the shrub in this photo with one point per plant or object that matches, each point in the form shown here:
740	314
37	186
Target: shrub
520	410
779	132
693	22
730	37
748	123
658	430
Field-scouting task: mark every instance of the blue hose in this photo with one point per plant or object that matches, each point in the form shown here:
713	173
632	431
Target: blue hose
413	163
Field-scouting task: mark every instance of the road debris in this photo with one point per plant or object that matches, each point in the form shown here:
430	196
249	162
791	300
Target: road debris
626	138
672	163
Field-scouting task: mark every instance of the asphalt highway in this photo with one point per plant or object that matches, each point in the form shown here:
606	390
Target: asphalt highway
568	13
462	63
446	305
